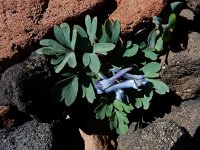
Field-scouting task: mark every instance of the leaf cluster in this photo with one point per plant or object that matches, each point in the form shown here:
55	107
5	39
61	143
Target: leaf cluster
80	55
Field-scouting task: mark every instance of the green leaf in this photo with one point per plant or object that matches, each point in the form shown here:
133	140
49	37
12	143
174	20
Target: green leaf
103	48
143	45
52	43
138	103
150	70
81	31
93	30
72	60
127	107
167	36
118	105
152	38
48	51
63	63
59	34
115	121
58	91
172	21
74	37
109	110
86	59
151	55
88	24
159	44
94	63
57	59
116	32
176	6
157	20
108	28
71	92
131	51
100	111
160	87
82	41
90	94
66	31
144	100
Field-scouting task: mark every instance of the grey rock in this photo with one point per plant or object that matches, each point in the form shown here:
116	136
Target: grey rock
182	70
160	135
194	5
26	86
186	115
34	135
30	136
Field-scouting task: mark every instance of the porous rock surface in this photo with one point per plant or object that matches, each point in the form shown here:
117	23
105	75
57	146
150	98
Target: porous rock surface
181	67
24	84
30	136
156	136
186	115
25	22
131	12
194	5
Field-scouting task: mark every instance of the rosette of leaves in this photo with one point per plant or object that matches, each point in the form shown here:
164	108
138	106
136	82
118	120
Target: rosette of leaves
75	55
162	33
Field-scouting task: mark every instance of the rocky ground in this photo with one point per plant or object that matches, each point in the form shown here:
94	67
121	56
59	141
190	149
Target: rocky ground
28	118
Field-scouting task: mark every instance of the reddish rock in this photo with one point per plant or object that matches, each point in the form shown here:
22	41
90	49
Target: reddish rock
131	12
25	22
6	121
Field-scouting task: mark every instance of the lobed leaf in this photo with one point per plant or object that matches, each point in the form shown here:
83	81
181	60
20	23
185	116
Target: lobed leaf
66	32
160	87
72	60
94	63
71	92
159	44
132	51
52	43
86	59
90	94
103	48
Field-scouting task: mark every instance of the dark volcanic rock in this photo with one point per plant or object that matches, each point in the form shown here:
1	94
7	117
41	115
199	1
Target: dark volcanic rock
186	115
26	85
30	136
194	5
182	70
34	135
161	135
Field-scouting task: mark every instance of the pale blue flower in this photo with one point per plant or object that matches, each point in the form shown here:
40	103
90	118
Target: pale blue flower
107	82
108	85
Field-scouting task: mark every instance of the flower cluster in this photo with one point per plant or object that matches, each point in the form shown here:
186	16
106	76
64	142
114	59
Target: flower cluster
113	84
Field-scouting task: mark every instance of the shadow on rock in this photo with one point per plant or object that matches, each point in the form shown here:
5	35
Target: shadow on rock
159	106
67	136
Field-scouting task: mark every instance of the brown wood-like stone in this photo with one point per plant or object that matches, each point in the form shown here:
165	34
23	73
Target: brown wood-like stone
23	23
131	12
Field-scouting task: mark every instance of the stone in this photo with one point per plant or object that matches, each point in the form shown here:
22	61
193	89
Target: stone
156	136
23	23
30	136
186	115
131	12
26	86
194	5
182	70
